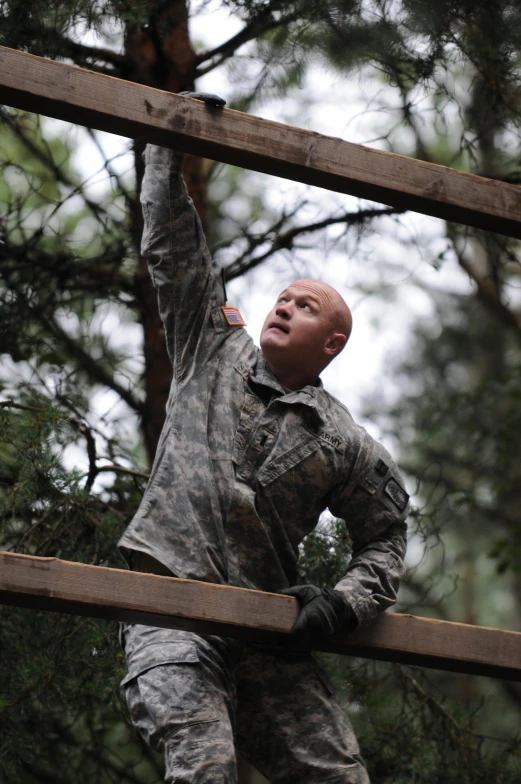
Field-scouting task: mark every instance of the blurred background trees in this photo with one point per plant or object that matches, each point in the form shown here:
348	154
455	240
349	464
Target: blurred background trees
84	374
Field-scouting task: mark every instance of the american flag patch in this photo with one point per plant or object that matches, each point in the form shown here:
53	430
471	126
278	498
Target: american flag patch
233	317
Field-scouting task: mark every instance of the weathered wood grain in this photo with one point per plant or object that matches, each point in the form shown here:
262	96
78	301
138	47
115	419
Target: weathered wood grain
64	586
103	102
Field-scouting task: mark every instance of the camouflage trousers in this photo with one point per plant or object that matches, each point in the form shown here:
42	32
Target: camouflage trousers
198	698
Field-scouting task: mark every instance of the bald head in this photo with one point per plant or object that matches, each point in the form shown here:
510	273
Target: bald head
339	313
305	330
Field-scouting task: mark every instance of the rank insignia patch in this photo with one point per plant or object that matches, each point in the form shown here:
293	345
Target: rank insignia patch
397	494
233	317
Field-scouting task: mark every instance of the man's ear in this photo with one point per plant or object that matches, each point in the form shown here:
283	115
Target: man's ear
335	344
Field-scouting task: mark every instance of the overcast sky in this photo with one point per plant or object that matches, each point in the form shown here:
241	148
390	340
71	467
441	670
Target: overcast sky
394	257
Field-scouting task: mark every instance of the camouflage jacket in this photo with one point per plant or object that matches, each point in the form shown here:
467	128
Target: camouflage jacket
244	468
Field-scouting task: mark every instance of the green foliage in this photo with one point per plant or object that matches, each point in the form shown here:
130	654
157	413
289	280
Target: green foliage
68	260
60	707
402	707
59	671
46	509
48	28
325	554
468	382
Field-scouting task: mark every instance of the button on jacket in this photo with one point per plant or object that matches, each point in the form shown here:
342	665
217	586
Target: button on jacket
244	468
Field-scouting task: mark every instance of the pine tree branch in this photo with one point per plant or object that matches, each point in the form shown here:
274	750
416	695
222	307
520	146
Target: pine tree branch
12	404
49	163
513	692
454	487
430	702
422	595
73	347
448	460
87	275
257	27
42	775
81	53
83	428
86	432
129	198
487	292
437	708
119	469
102	758
285	241
93	367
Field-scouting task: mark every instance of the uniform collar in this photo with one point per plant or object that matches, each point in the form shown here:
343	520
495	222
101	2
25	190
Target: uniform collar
312	396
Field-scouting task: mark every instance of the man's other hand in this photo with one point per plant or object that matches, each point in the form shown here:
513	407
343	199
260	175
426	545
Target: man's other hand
209	98
322	614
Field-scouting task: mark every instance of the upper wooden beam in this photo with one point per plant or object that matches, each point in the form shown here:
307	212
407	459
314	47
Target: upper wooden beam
108	104
63	586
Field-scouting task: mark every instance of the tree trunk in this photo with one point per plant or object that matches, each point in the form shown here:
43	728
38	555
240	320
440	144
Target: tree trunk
160	55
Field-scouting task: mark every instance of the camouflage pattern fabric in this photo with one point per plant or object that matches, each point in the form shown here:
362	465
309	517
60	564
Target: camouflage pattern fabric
191	697
242	472
244	468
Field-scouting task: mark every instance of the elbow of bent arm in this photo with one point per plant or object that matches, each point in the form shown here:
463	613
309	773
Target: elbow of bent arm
372	580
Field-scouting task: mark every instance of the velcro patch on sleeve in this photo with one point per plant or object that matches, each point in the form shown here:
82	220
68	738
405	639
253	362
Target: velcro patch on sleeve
381	468
397	494
233	317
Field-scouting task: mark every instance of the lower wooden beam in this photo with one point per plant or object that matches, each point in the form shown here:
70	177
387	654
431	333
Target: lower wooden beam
64	586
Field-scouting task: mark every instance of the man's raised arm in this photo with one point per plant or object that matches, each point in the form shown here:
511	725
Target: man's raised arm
179	261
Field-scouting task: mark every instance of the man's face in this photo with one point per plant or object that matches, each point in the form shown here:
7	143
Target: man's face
299	331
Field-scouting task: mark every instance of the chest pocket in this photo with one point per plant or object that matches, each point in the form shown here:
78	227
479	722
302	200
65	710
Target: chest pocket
279	465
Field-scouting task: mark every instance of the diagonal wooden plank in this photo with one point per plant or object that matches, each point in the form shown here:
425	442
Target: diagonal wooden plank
103	102
64	586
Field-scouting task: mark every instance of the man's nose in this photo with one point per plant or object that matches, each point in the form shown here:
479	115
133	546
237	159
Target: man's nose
283	310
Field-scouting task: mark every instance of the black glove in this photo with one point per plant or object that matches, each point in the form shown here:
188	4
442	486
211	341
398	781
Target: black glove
322	613
209	98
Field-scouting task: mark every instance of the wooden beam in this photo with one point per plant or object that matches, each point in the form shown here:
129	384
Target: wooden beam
108	104
64	586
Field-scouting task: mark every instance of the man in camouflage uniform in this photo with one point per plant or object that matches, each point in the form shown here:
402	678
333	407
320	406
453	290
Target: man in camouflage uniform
252	451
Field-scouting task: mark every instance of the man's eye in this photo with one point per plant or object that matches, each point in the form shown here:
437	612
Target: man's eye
305	305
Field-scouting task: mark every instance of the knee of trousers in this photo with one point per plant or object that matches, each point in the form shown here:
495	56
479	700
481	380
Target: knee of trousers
201	754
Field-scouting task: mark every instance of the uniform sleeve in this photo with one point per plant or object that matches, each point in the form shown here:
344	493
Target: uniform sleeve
179	261
374	505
